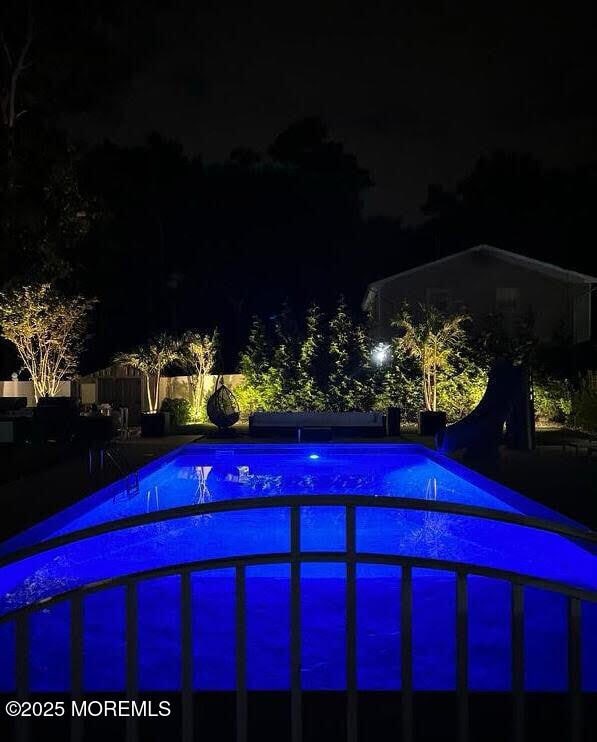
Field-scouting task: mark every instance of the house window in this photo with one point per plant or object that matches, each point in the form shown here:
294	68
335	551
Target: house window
506	300
439	298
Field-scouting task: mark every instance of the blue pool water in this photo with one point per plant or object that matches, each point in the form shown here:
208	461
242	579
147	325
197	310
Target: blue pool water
206	473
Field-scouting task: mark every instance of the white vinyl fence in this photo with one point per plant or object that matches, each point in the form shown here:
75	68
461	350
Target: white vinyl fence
25	389
173	386
178	386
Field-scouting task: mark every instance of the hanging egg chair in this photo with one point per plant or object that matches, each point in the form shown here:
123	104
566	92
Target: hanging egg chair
222	407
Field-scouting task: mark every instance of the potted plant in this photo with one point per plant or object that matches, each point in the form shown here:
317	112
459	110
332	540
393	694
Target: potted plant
151	359
430	339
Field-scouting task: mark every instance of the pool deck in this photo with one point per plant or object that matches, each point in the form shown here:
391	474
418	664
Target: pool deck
33	497
559	479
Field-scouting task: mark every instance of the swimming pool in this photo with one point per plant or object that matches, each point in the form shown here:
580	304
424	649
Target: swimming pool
211	503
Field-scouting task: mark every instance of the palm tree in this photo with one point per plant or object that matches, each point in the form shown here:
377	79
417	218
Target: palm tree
430	339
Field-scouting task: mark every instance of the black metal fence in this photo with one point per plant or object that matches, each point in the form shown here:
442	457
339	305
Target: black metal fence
295	557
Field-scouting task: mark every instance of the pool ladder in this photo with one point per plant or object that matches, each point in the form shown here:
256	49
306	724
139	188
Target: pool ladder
121	464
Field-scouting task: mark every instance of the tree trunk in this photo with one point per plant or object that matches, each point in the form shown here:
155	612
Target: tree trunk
157	392
201	393
426	390
149	400
192	392
434	388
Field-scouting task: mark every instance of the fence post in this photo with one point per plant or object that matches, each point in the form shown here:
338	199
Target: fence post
186	656
518	661
462	655
76	663
406	650
241	654
22	727
351	627
574	668
296	710
132	656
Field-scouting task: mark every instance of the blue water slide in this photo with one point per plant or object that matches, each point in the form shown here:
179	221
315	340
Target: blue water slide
481	431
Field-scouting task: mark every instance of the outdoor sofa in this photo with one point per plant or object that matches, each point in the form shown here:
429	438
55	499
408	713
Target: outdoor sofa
306	425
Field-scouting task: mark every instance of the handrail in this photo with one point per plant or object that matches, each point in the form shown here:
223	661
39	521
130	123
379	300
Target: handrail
285	557
289	501
128	474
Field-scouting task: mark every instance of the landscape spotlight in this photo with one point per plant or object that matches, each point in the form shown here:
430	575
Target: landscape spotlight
380	353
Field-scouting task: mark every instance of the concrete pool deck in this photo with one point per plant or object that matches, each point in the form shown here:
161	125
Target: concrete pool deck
33	497
559	479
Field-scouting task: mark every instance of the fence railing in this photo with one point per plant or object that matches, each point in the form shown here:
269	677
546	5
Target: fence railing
562	528
296	557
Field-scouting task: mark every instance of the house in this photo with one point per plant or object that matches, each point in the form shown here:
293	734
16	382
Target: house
485	280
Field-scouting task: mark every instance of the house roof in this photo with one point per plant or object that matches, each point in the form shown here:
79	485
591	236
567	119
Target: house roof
548	269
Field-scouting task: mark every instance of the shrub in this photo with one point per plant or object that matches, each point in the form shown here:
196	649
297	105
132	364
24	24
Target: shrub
460	391
553	399
261	387
459	388
400	386
249	399
179	408
584	408
310	365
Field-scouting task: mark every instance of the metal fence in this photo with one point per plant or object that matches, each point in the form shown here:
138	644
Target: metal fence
295	557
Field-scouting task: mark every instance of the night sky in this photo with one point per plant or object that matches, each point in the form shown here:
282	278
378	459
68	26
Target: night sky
418	90
221	152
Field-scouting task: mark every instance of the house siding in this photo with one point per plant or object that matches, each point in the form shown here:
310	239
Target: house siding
472	280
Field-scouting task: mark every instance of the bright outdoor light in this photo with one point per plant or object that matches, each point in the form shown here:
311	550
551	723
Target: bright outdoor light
380	353
314	456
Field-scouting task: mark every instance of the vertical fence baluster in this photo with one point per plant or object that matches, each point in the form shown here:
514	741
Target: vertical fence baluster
518	661
22	728
296	706
76	663
574	669
406	650
241	654
351	628
186	656
462	656
132	656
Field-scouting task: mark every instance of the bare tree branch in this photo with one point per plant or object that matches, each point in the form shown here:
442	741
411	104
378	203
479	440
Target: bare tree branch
14	72
6	49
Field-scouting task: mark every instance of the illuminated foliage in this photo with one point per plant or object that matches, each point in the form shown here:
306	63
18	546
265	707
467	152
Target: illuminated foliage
48	330
309	366
553	399
350	375
309	392
584	407
327	365
399	386
261	388
460	387
151	359
431	338
180	410
198	354
282	373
